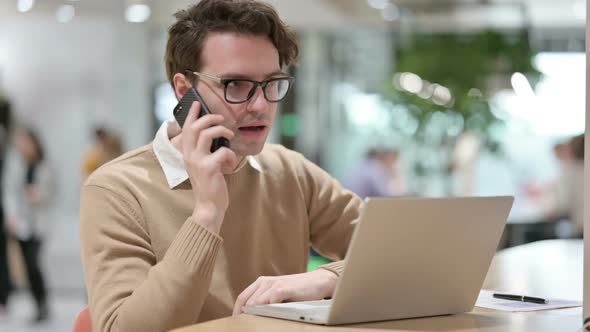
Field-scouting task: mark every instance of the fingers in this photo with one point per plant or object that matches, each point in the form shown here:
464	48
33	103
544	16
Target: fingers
308	286
189	135
280	295
264	290
271	293
197	139
193	127
277	293
225	157
260	297
208	134
267	291
244	296
255	299
221	160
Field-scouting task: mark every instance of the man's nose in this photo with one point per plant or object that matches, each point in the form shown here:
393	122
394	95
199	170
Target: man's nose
258	103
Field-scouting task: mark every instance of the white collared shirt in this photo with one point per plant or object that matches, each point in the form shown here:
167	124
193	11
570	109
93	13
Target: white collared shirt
171	159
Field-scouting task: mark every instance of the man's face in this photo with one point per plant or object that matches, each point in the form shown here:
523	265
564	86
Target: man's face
389	159
230	55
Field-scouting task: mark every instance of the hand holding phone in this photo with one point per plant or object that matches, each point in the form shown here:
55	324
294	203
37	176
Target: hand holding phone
205	169
181	112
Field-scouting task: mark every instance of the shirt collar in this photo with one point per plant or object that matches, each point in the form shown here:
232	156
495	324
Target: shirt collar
171	159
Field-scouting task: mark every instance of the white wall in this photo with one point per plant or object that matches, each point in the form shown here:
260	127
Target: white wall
64	79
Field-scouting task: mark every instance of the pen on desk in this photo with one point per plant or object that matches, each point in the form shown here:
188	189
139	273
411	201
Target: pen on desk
520	298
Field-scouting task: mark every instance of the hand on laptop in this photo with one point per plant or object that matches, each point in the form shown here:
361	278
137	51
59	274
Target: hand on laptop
310	286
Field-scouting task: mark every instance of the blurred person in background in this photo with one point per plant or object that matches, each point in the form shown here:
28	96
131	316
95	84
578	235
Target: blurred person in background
545	193
566	198
29	188
562	198
107	146
464	164
377	175
577	187
5	283
113	147
397	182
173	233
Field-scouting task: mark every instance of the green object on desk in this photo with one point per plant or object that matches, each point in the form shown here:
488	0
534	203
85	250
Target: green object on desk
315	261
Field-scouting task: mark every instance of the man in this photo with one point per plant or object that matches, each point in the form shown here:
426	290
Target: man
106	147
377	175
173	234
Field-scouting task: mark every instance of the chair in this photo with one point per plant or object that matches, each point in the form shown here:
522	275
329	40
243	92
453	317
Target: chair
83	323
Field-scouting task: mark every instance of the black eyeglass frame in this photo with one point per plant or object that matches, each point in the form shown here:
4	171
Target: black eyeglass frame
226	81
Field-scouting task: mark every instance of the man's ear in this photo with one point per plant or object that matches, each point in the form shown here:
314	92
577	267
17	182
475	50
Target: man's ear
181	85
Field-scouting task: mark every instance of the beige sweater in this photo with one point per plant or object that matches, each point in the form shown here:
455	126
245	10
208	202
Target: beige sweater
150	267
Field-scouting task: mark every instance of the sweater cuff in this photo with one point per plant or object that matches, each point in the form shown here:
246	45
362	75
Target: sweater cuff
196	247
336	267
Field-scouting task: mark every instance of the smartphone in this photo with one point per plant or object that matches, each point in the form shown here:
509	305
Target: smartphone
181	112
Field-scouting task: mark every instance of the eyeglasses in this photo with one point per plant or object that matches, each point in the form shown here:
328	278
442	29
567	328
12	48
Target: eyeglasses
239	90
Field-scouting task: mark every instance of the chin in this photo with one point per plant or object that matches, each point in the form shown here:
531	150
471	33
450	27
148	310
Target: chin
246	149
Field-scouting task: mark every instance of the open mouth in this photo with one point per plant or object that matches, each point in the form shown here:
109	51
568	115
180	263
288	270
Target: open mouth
252	128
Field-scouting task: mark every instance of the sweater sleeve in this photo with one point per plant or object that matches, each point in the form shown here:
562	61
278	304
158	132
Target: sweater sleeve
333	211
128	290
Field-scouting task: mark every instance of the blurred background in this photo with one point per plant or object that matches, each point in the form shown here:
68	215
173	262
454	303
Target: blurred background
423	97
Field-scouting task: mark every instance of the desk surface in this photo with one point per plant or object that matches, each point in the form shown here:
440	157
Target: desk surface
548	268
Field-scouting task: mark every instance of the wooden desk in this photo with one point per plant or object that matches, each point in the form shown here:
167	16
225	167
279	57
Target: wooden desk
548	268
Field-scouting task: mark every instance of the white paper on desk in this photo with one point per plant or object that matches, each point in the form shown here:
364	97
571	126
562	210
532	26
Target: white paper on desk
486	300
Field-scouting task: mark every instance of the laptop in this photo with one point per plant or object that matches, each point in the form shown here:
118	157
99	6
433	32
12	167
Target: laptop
409	257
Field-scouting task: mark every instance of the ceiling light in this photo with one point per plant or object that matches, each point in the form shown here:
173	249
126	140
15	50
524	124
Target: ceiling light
24	6
137	13
378	4
65	13
427	90
442	96
411	82
390	13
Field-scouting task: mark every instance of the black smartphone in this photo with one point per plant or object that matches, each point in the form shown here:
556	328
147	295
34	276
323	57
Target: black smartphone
181	112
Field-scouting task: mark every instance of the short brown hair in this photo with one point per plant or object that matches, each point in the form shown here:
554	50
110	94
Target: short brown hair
186	36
